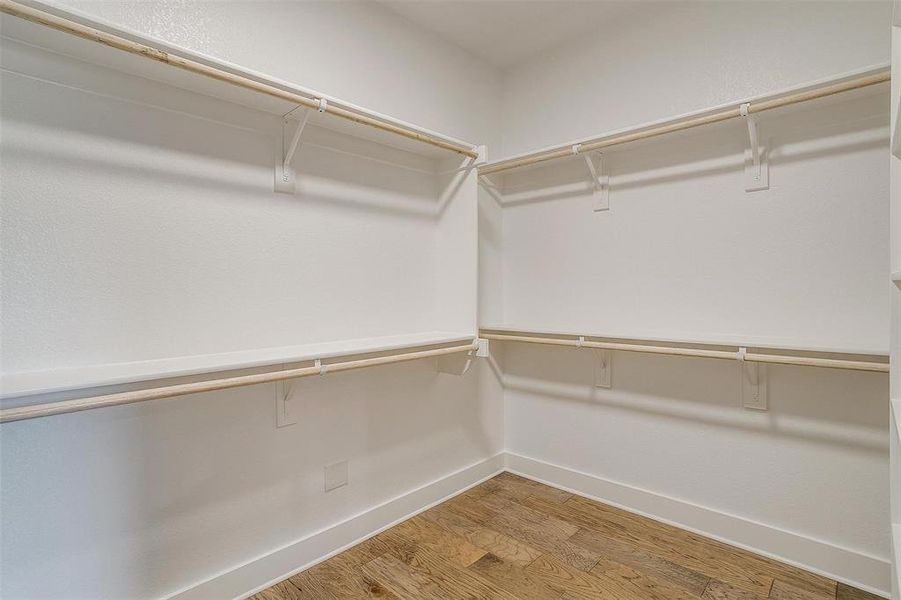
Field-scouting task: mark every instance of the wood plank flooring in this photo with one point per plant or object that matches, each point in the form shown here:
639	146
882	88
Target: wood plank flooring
511	538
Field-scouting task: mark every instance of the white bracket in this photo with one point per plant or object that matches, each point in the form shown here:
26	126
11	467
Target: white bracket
600	180
603	376
459	362
455	364
488	184
491	188
757	172
283	413
285	173
753	382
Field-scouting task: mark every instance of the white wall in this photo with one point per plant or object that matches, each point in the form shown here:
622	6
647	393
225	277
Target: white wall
649	64
355	51
686	252
139	221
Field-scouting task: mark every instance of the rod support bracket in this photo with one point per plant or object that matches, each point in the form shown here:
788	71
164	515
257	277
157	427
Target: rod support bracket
756	164
493	190
599	180
457	364
285	174
486	182
323	369
603	374
753	382
284	416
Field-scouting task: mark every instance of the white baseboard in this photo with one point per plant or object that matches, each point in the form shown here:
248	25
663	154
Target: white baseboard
264	571
848	566
854	568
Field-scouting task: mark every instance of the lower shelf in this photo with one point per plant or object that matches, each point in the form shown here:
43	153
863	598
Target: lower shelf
29	383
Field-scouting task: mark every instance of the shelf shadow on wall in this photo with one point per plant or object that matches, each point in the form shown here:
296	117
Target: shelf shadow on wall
796	136
826	406
120	138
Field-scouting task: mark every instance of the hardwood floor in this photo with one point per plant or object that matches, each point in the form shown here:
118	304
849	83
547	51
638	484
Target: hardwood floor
511	538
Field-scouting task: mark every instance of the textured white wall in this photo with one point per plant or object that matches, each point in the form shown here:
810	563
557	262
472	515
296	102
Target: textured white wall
355	51
676	57
686	252
167	239
140	222
140	501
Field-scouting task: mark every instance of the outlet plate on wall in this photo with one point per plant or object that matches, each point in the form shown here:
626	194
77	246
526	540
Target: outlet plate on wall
335	475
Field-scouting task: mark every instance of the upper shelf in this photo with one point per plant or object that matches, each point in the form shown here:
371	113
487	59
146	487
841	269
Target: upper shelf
749	342
29	383
860	82
92	40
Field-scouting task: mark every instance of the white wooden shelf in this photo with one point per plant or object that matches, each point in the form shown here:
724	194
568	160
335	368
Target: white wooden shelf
749	341
29	383
34	34
643	131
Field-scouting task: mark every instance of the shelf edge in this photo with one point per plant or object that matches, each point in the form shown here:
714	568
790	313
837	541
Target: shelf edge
33	383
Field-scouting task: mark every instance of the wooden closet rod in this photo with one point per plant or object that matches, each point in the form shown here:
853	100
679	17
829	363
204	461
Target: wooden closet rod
687	122
113	41
181	389
807	361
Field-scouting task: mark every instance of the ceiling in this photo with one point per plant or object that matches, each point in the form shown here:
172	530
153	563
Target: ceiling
505	32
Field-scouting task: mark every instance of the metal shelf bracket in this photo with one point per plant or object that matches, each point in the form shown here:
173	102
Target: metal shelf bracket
753	382
455	364
600	180
283	413
757	176
292	130
603	375
459	364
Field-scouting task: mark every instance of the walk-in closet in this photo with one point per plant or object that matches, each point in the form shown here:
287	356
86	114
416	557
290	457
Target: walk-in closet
446	299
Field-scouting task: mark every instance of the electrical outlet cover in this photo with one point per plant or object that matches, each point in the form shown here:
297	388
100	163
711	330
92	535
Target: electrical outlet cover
335	475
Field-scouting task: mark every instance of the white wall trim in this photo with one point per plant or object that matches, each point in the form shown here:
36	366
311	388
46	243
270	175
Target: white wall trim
266	570
860	570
